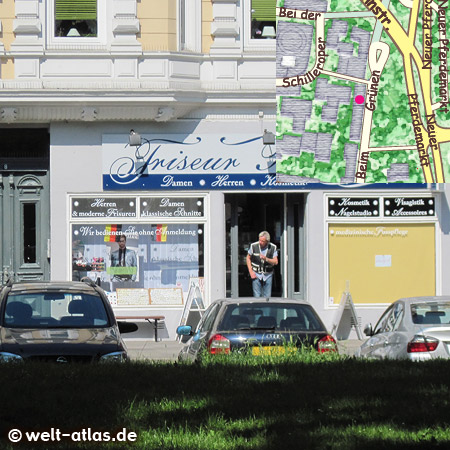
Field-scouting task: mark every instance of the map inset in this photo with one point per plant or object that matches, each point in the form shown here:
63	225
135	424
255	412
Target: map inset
362	91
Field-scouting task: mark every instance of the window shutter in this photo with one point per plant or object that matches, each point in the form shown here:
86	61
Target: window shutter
75	9
264	10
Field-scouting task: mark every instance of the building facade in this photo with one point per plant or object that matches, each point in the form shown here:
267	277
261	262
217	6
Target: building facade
152	120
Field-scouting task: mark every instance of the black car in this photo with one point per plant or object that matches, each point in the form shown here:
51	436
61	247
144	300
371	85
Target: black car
61	322
262	325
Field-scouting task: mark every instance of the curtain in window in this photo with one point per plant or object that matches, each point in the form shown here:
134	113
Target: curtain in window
263	10
75	9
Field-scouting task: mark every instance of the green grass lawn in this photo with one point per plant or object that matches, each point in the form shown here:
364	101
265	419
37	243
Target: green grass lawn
243	403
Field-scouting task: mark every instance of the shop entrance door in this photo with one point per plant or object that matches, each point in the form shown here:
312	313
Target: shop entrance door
249	214
24	207
24	216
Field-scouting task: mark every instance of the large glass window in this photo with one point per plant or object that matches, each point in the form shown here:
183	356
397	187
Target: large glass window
75	18
263	22
140	264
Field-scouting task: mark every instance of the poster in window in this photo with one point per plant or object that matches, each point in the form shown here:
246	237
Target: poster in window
138	256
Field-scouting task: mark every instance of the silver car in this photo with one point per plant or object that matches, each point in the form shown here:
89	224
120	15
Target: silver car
416	328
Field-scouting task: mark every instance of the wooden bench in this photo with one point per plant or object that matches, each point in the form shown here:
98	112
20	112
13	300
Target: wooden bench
149	319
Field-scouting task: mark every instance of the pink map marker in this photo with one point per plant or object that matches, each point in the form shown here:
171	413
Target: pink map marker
359	99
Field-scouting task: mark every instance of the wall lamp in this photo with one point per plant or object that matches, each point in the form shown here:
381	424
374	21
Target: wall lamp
268	138
134	140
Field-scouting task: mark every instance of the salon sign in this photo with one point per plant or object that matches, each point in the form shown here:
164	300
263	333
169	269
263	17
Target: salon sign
201	162
190	162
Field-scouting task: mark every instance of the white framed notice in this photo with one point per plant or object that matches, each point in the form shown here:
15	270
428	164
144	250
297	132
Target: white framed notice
132	297
166	296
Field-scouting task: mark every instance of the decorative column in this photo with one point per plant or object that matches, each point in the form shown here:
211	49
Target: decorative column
28	46
27	27
225	27
125	27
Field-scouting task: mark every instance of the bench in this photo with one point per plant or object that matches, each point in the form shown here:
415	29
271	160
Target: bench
149	319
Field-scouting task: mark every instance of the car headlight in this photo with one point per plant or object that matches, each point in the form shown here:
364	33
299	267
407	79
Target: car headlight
114	357
9	357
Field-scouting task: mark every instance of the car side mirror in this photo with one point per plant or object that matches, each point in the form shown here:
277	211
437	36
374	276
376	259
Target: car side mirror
185	330
127	327
368	331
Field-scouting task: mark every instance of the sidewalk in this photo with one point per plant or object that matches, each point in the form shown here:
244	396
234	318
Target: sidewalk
148	349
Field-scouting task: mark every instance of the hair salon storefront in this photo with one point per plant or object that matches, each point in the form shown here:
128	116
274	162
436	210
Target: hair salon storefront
190	203
177	200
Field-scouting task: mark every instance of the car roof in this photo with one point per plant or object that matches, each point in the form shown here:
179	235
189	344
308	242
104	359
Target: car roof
36	286
425	299
250	300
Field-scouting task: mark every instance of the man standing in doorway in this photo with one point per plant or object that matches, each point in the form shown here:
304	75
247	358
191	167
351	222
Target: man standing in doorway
261	259
125	262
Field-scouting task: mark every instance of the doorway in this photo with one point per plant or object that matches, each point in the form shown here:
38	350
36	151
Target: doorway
24	205
282	216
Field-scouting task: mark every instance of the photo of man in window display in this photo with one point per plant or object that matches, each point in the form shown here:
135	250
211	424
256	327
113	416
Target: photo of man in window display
123	262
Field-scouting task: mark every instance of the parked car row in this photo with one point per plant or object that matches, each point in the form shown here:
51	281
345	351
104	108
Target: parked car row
415	328
74	322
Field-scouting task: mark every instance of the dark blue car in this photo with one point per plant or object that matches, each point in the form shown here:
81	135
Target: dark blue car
262	325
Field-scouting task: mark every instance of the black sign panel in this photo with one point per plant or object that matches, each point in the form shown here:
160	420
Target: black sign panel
409	207
172	207
354	207
102	207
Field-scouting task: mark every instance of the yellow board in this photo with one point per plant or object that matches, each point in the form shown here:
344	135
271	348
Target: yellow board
382	262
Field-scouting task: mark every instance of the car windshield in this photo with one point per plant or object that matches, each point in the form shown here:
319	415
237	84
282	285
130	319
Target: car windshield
54	309
431	313
270	316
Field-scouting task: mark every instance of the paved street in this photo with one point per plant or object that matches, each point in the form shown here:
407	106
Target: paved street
168	350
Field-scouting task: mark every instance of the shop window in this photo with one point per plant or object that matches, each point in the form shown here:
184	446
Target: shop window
263	22
139	263
76	18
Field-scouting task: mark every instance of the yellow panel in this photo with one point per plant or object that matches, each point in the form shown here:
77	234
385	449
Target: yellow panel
207	41
158	25
7	14
207	18
7	69
159	42
156	9
155	26
382	262
7	9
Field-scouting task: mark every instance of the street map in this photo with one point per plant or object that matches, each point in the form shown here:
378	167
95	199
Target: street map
362	91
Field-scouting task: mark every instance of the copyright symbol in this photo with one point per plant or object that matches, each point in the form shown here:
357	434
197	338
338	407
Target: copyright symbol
15	435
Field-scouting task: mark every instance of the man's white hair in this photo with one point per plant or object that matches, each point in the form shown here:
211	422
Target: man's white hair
265	234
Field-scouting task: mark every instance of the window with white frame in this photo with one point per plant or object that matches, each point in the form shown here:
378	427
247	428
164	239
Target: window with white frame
76	18
262	17
190	25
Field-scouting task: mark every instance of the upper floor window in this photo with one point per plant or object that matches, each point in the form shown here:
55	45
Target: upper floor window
76	18
263	21
190	25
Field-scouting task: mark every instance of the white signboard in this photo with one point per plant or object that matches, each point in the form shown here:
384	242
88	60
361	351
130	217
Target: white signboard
169	296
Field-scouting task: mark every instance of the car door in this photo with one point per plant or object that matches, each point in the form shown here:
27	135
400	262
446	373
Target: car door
201	335
378	343
395	335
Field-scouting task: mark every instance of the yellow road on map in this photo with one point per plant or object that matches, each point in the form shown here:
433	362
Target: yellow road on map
411	56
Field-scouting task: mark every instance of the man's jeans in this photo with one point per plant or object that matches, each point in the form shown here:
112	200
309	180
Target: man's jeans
262	288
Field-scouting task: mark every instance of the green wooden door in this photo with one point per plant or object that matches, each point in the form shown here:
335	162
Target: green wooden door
24	225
